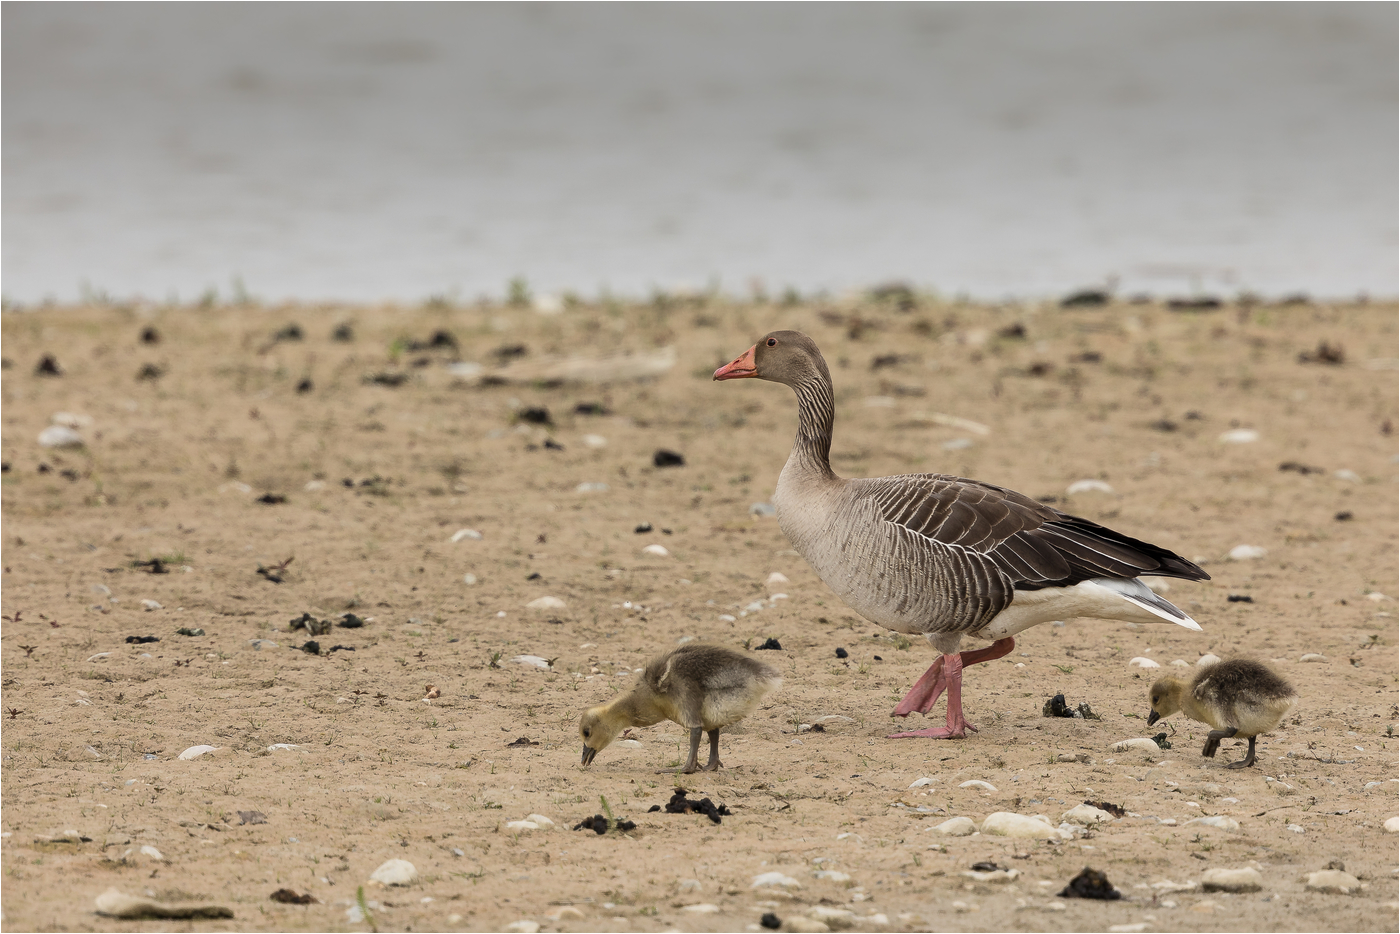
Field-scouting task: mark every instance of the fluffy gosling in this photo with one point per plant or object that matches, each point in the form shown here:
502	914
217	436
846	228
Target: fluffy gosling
701	687
1238	697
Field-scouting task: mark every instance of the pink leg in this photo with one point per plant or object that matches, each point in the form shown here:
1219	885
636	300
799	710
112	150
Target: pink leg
925	692
951	673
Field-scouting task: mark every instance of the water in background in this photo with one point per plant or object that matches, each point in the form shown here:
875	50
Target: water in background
368	151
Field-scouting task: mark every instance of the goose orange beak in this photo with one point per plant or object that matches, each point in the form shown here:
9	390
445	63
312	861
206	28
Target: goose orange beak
742	368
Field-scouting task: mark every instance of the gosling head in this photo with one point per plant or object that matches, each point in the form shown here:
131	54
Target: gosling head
1166	699
597	731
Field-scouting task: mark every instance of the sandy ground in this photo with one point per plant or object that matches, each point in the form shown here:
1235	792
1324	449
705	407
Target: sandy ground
378	480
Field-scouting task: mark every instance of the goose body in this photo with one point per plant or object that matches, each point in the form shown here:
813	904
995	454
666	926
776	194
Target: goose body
942	556
1237	697
701	687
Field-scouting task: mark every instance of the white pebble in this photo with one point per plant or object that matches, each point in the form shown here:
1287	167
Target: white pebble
1312	657
776	581
996	876
1247	879
1296	828
978	783
399	872
546	603
1239	436
1207	659
658	550
194	752
704	908
1218	821
1180	663
1088	486
152	852
1348	475
314	486
1007	824
523	926
831	875
1141	662
1393	825
60	436
592	488
595	441
1333	881
282	747
468	534
469	580
921	782
836	917
957	827
563	912
765	879
1140	742
1087	815
531	661
1247	552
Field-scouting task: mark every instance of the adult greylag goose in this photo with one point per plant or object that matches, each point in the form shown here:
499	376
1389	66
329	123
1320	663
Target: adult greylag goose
942	556
701	687
1238	697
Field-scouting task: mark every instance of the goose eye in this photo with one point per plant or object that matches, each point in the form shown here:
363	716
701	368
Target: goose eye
772	342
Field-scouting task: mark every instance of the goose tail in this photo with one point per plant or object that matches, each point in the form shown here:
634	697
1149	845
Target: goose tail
1138	594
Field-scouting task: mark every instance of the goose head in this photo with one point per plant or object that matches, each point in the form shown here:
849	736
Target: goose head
789	357
597	729
1165	698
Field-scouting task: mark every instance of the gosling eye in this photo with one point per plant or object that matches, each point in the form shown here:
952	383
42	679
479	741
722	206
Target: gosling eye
772	342
585	734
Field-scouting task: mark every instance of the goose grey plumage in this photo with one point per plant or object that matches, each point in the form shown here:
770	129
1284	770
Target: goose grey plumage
942	556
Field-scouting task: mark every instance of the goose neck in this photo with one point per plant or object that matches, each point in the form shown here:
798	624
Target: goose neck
816	413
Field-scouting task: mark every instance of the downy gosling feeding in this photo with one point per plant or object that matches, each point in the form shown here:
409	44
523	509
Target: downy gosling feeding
701	687
1238	697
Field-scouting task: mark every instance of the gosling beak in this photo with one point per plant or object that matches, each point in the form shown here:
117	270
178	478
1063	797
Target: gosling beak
742	368
1152	718
588	753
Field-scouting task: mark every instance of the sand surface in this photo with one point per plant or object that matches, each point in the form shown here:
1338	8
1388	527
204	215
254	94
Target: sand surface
328	765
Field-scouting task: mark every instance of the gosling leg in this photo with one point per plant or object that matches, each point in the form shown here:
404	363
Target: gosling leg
693	763
714	764
1248	759
1213	739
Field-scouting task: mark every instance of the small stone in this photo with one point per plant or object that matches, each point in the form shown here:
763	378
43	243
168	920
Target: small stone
595	441
957	827
149	605
1247	879
1140	742
705	908
568	912
60	436
921	782
1088	486
833	917
1087	815
1207	659
282	747
1247	552
994	876
774	878
1140	662
831	875
1295	828
546	603
1180	663
194	752
402	872
592	488
531	661
469	580
1333	882
1239	436
1007	824
776	581
658	550
152	852
523	926
978	783
1219	821
1312	657
466	535
1393	825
